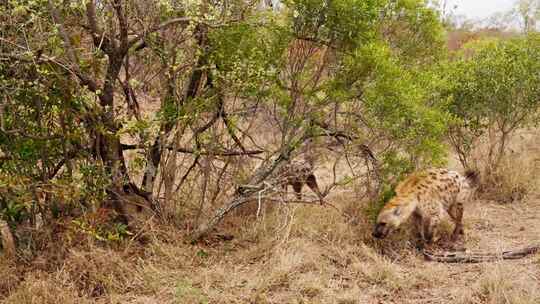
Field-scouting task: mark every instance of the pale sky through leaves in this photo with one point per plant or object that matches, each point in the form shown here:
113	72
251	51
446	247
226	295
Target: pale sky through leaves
480	9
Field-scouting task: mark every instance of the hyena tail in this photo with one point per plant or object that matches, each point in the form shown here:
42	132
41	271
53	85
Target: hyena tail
472	177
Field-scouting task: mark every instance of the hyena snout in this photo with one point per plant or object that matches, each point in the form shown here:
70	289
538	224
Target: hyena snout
380	231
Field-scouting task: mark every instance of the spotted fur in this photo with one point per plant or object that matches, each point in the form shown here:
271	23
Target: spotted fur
297	173
427	197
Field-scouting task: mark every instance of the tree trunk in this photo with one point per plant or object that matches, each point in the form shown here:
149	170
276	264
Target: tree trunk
8	243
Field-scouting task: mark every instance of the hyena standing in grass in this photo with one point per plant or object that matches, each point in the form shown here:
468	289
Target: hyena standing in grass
297	173
300	171
426	197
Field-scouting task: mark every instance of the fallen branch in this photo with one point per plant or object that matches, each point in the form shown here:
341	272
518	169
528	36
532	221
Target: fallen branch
471	257
220	214
249	195
255	185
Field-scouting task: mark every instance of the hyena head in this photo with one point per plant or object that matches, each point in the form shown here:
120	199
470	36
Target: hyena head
389	219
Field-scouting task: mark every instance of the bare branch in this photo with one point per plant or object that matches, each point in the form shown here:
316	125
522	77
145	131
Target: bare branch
70	50
65	37
139	39
122	21
202	152
159	27
184	177
101	41
69	156
366	151
91	15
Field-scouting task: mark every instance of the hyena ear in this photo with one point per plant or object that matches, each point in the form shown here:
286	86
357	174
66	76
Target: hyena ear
397	211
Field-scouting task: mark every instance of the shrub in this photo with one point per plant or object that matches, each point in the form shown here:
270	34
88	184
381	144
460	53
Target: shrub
493	91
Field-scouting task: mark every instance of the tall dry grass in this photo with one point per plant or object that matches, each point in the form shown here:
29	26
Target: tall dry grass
515	175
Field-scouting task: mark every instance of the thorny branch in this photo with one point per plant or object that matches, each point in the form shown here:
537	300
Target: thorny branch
201	152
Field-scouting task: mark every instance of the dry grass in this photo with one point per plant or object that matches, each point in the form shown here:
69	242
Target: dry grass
500	284
516	175
512	181
290	254
295	254
8	273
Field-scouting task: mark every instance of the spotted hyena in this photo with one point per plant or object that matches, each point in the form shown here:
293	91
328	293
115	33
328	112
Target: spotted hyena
427	197
297	173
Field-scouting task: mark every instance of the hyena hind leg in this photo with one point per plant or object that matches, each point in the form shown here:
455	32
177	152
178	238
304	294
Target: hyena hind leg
418	230
311	181
297	187
456	214
431	229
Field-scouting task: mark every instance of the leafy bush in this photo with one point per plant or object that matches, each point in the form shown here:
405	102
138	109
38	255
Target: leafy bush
228	80
493	91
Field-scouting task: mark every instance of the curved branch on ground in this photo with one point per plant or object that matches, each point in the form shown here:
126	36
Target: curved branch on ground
472	257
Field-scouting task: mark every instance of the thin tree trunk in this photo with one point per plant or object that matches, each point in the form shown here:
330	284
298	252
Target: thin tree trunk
155	154
8	243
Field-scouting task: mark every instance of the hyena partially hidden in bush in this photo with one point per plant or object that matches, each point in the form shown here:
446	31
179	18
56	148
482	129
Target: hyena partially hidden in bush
297	173
426	197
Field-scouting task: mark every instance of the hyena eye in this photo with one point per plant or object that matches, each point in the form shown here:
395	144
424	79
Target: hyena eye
397	211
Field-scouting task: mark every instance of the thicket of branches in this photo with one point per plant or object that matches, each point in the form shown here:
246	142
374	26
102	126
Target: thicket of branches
190	109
